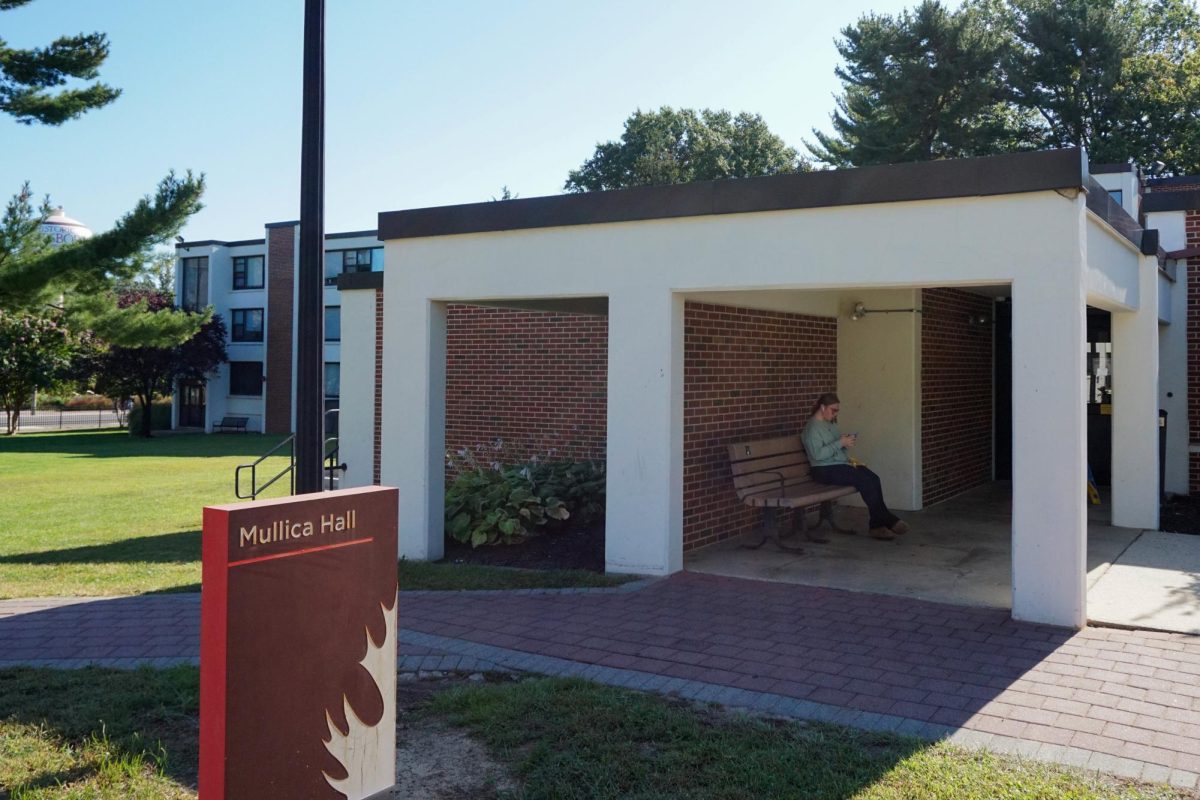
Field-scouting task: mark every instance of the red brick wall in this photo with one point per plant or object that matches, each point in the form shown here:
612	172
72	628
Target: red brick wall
378	435
281	275
747	375
956	393
537	381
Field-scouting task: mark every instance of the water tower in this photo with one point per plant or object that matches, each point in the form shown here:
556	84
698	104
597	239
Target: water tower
63	230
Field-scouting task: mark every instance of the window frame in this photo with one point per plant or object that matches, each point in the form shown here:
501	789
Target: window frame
233	325
325	323
325	380
245	269
233	393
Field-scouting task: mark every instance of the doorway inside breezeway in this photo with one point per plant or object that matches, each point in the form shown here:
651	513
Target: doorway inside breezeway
526	405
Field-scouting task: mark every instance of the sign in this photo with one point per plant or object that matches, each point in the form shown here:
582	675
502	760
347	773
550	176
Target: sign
298	647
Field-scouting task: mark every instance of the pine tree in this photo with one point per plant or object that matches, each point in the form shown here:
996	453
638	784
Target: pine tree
28	76
918	86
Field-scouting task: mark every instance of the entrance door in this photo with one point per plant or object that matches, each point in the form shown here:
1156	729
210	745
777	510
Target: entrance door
1099	394
191	405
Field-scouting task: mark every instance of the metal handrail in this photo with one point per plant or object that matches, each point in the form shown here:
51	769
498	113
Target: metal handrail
255	489
330	460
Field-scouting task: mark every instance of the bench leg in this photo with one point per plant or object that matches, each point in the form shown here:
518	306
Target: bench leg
800	524
770	530
827	516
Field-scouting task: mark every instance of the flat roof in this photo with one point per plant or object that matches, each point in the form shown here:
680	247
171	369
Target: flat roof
969	177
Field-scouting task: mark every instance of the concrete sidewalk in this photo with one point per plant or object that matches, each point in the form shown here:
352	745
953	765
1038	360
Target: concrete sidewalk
1119	701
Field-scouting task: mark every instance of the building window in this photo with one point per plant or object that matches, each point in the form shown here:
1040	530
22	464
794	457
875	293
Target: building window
333	323
333	379
248	272
246	324
246	378
356	260
195	283
1118	195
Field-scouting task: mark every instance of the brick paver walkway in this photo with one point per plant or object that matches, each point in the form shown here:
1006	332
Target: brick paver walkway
1124	702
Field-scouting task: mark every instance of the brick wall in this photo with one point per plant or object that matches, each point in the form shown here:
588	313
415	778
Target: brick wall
956	393
537	381
281	276
378	428
747	375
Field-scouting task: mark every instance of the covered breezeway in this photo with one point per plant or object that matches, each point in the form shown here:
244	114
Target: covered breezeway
1036	223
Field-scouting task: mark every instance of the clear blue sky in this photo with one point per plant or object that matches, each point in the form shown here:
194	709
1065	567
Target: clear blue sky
428	103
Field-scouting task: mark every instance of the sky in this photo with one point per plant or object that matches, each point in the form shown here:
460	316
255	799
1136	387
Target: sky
427	103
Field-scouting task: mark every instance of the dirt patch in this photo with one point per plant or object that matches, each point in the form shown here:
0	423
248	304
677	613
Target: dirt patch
573	548
435	761
1181	514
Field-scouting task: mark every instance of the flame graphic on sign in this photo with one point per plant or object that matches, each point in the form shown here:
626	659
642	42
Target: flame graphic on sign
368	752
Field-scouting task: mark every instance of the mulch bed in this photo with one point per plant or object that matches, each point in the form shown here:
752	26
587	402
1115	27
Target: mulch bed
572	548
1180	514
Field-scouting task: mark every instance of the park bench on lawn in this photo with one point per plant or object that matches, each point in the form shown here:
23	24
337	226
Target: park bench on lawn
774	473
231	423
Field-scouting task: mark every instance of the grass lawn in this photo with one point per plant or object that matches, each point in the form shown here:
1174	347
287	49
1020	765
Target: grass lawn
111	734
103	512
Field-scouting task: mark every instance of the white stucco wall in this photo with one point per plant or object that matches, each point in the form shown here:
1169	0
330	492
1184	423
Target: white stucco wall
1172	354
878	378
356	422
646	269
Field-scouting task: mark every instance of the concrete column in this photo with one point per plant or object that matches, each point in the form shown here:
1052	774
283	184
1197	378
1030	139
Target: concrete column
644	518
356	406
1135	406
413	443
1049	521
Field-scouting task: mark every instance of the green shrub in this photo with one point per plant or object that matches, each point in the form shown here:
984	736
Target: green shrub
494	502
88	402
160	416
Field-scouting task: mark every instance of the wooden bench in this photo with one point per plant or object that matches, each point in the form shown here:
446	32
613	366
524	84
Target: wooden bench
231	423
774	473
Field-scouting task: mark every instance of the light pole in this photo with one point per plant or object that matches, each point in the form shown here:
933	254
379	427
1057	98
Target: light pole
310	427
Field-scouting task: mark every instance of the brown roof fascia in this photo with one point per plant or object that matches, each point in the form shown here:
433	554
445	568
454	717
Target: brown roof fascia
349	281
970	177
1161	200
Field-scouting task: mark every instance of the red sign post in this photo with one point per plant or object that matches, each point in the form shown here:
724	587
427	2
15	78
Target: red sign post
298	647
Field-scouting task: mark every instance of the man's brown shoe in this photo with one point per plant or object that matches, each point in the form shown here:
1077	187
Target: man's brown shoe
882	533
900	528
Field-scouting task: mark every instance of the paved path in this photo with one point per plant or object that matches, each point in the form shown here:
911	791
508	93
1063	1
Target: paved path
1119	701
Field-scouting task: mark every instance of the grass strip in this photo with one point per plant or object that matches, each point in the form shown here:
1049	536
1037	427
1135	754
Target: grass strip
416	575
573	739
97	733
105	513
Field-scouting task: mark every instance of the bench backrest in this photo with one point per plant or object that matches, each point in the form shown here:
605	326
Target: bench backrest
231	421
757	466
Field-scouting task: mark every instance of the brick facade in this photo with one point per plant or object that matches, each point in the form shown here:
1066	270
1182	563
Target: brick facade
747	375
536	381
281	283
956	393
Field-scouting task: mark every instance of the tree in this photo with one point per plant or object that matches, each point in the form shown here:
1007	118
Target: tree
921	85
34	353
27	76
669	146
1119	77
147	371
32	273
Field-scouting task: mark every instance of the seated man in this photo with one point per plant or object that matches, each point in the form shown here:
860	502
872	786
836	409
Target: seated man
826	447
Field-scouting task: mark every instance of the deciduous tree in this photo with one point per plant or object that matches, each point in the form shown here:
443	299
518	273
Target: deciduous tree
139	369
669	146
35	352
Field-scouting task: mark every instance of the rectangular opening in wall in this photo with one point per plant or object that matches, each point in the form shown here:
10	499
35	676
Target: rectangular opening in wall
246	325
246	378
